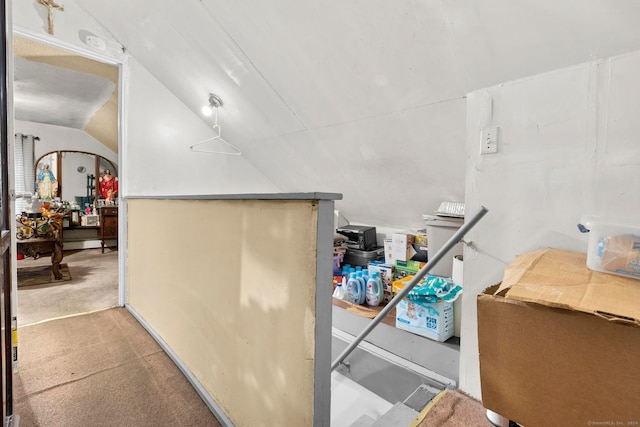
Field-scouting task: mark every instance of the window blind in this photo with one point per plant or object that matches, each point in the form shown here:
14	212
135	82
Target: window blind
24	158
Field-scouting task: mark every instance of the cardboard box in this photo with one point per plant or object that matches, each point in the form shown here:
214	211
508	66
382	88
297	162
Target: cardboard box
401	246
431	320
418	252
388	251
387	275
407	268
558	343
427	309
421	238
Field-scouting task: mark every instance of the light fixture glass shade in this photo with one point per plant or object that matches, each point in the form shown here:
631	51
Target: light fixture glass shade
214	103
207	110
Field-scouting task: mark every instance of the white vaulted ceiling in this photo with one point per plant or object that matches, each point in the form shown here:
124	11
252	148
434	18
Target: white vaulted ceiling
56	87
89	92
292	65
312	89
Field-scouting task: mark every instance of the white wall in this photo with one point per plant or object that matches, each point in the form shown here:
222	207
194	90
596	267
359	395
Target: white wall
75	182
391	168
70	26
365	101
159	128
54	138
157	159
568	146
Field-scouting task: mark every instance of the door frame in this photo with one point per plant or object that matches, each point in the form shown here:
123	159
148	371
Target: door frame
7	203
122	181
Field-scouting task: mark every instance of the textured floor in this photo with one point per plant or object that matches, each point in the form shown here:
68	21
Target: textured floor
101	369
452	408
93	286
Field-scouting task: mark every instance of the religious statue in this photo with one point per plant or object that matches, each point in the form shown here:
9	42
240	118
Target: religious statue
50	5
108	185
47	184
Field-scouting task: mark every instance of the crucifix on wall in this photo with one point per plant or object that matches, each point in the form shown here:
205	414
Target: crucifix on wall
51	5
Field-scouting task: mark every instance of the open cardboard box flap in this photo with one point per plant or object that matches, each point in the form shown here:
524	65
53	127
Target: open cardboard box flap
548	354
559	278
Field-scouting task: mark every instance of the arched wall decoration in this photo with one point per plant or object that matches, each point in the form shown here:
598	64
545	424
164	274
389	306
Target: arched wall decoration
76	174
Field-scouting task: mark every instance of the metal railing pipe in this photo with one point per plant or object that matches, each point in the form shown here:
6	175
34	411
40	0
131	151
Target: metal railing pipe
457	237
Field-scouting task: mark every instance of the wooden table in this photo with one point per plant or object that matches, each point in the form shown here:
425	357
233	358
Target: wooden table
35	246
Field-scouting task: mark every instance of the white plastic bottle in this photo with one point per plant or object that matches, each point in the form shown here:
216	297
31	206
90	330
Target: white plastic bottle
362	290
374	290
338	292
351	292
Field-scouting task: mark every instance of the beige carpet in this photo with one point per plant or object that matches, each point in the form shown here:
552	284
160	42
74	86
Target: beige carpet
41	275
101	369
93	286
452	408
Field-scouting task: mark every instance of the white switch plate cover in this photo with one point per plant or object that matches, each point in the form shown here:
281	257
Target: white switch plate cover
489	140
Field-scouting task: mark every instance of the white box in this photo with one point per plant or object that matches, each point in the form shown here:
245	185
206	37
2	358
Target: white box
388	251
432	320
401	246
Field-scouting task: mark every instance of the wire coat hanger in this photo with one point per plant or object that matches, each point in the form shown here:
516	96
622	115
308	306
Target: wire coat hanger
217	138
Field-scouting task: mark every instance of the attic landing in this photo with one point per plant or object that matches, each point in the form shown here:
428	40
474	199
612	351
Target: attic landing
51	5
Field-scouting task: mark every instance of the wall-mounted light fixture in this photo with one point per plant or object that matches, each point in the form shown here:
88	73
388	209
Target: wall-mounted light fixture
214	103
215	144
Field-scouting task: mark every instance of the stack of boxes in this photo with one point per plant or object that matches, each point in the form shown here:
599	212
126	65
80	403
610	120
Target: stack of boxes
404	255
433	319
406	247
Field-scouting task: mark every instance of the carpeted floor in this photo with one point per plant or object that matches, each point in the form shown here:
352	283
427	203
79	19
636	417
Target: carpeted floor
452	408
101	369
93	286
41	275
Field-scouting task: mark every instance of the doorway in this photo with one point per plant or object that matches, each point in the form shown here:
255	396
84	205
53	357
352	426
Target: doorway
67	100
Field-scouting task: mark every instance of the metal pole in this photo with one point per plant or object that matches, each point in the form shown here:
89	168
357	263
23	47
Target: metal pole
458	235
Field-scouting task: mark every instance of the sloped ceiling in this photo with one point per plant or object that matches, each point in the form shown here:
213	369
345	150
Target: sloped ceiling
376	87
57	87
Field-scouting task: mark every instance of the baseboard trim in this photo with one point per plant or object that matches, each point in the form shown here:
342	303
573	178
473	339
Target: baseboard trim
204	395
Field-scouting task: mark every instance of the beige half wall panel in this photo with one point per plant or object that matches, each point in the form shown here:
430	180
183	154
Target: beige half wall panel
230	287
